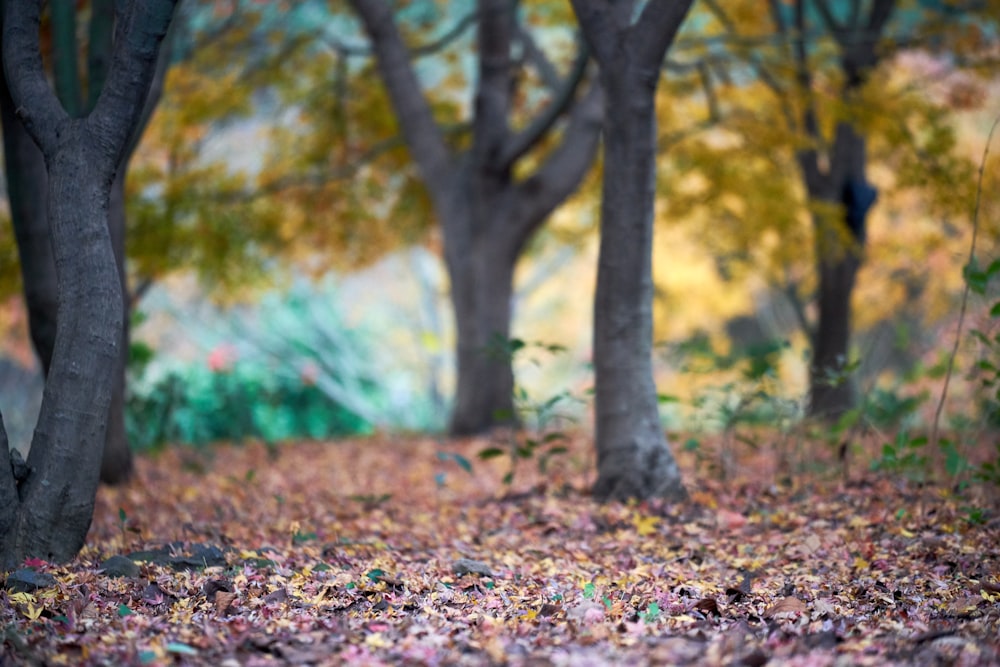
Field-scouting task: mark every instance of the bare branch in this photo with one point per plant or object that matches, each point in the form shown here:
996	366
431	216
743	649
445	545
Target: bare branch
600	27
430	48
563	171
534	55
829	21
494	84
423	136
36	104
655	30
527	138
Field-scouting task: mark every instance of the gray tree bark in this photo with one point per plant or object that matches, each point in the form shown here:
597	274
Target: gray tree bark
486	215
47	511
633	456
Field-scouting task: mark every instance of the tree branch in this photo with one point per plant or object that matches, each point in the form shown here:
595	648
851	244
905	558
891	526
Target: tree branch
490	127
564	169
526	139
22	60
656	29
422	134
133	64
599	27
808	158
534	55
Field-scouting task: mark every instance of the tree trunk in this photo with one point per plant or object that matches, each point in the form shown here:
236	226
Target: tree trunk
46	510
481	291
831	387
27	184
58	498
487	215
633	458
839	250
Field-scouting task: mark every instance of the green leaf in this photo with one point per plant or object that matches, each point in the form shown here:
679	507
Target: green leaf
588	590
491	453
121	515
181	649
375	575
124	611
508	479
667	398
146	657
462	462
552	437
995	310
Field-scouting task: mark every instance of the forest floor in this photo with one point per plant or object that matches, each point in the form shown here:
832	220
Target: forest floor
412	551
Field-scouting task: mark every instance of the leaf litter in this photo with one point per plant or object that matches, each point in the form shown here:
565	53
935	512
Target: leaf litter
383	551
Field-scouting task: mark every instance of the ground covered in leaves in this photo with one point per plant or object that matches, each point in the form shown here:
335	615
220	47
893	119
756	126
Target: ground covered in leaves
413	552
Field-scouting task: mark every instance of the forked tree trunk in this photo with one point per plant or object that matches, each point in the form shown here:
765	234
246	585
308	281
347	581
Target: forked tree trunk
633	457
46	511
486	214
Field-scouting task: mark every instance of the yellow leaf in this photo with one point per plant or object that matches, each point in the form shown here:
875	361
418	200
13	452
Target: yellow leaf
33	612
21	598
645	525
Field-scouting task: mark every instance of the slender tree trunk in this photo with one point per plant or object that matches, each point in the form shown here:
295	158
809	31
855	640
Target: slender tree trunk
116	462
839	251
27	185
831	386
633	458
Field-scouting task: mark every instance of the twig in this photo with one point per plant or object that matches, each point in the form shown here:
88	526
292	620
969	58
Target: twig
965	292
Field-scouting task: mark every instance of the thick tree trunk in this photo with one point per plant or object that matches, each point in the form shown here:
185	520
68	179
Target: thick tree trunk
57	499
481	290
633	458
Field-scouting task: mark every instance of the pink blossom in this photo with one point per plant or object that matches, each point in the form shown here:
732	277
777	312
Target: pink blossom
222	358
